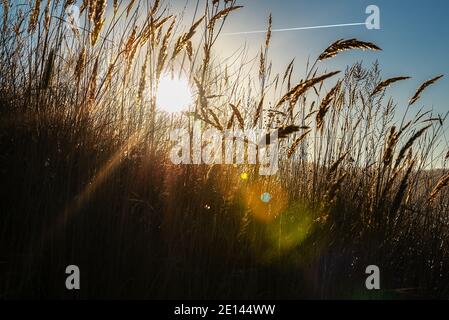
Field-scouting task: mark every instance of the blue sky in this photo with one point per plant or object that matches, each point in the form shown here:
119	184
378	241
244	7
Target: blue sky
414	36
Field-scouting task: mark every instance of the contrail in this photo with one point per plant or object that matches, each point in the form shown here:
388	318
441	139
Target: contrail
296	29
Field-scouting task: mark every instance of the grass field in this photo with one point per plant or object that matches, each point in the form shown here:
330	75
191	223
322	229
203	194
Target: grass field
86	175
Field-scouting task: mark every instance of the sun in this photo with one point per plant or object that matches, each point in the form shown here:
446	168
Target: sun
174	94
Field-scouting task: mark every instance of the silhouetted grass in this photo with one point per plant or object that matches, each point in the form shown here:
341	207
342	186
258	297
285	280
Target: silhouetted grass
86	178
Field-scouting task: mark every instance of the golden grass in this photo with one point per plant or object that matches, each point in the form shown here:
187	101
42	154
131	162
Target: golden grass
73	101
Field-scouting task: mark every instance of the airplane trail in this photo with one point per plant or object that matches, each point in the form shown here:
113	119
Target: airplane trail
296	29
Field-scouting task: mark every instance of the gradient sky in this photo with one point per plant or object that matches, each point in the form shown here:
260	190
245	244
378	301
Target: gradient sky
414	36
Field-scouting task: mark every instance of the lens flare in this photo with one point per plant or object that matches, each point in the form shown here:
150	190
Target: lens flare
267	207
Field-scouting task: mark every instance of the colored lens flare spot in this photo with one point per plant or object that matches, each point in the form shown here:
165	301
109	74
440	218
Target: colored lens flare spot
244	176
265	197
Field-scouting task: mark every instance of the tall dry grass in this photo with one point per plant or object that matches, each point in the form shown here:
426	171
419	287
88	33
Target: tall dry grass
86	177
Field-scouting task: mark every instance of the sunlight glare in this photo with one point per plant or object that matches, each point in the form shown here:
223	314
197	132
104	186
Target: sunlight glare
174	94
